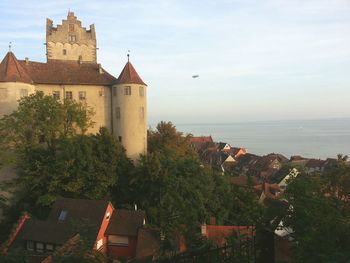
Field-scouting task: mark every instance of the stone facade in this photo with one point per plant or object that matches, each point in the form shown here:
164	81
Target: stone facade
70	41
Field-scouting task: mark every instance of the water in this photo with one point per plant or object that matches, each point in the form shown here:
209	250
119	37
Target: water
308	138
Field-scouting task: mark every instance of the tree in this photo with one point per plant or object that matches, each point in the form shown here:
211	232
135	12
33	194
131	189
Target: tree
83	166
319	215
42	119
171	184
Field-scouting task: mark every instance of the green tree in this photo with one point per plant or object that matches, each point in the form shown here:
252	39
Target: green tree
83	166
319	215
43	119
171	184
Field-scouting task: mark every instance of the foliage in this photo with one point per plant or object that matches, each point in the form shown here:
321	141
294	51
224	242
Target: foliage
319	215
81	167
43	119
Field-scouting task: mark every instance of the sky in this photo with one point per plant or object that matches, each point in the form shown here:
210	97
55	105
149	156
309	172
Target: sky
257	60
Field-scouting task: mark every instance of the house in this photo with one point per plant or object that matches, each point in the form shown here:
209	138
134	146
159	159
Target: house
314	165
219	235
267	165
113	232
122	232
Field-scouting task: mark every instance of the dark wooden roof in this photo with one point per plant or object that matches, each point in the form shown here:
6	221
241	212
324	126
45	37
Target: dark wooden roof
125	222
45	231
67	72
12	71
129	76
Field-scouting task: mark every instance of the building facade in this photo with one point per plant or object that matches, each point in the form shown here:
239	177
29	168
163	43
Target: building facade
72	72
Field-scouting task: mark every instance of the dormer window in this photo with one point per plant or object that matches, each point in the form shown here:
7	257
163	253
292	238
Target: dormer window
63	215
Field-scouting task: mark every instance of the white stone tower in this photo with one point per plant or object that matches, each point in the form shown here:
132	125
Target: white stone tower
129	100
70	41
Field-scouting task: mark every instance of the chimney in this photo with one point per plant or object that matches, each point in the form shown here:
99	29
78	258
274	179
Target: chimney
204	230
27	60
100	70
212	221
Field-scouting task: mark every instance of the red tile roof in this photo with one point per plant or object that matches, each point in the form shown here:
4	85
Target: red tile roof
12	71
67	72
129	76
218	234
201	139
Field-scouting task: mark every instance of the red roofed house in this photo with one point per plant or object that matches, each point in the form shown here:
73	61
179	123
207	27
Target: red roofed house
111	231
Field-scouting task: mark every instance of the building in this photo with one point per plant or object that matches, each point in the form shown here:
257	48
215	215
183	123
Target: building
72	72
113	232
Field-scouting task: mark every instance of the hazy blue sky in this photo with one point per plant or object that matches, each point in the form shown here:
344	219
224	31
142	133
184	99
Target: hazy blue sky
256	59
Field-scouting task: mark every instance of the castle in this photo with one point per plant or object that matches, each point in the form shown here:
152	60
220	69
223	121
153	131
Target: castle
72	72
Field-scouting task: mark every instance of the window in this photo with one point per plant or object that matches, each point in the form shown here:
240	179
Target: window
72	38
127	90
23	93
142	112
39	247
114	91
49	247
69	95
108	216
117	112
30	245
56	94
99	244
71	27
64	51
141	91
118	240
63	215
120	138
82	95
3	94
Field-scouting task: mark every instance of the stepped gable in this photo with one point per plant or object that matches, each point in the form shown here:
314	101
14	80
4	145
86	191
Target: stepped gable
12	71
67	72
129	76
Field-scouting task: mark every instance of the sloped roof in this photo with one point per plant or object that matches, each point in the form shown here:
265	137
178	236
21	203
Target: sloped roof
79	209
125	222
12	71
45	231
129	75
67	72
148	242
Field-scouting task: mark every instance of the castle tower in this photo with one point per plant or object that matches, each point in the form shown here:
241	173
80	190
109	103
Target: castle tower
70	41
129	102
14	83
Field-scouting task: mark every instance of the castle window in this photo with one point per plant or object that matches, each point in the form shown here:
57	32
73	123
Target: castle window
117	112
23	93
141	91
56	94
72	38
3	94
64	51
142	112
82	95
71	27
120	138
69	95
127	90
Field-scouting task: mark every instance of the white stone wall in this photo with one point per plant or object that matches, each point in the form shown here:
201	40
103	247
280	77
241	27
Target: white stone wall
10	93
97	97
